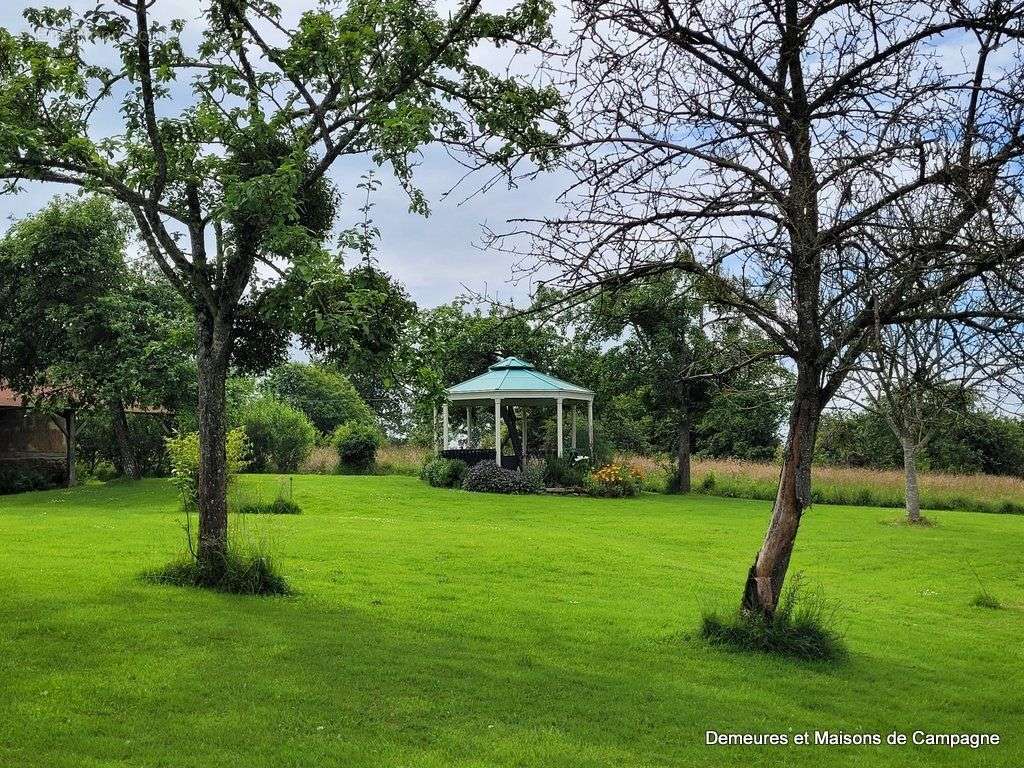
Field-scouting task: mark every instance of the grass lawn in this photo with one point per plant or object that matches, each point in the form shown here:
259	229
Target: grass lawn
441	628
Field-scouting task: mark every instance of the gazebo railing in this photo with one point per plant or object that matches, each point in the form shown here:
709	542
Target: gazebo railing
475	455
469	455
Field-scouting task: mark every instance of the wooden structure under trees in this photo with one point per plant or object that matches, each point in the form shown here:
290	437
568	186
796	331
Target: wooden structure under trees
36	440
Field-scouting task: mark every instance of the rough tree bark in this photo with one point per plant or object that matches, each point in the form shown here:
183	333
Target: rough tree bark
213	354
69	456
913	504
766	575
123	438
683	454
508	415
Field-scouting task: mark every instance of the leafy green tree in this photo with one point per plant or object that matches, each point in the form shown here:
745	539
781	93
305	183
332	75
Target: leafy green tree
742	423
83	328
683	355
324	395
452	343
231	174
374	366
970	442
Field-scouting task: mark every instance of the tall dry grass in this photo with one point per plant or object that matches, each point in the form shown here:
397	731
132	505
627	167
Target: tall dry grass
845	485
402	459
733	478
391	460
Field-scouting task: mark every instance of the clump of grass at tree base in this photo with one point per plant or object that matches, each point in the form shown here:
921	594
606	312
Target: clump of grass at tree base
987	600
803	627
245	569
984	598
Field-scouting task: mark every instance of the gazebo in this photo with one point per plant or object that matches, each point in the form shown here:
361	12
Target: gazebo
513	382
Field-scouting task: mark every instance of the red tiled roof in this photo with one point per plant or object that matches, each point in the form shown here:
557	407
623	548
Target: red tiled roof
11	399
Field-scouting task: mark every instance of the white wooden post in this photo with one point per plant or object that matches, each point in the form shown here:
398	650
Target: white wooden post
525	425
497	431
574	409
590	425
444	420
469	426
559	420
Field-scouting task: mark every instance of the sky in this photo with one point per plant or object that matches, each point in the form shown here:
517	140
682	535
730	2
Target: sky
437	258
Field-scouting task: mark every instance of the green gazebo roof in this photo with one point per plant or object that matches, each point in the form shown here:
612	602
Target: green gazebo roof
515	376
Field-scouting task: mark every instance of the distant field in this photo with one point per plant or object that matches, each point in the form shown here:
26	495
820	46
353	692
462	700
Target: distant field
443	629
731	478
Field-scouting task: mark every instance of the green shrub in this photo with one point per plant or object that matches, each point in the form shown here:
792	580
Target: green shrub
565	472
15	479
444	473
324	395
357	444
104	471
280	436
615	481
534	471
184	454
243	571
803	627
487	477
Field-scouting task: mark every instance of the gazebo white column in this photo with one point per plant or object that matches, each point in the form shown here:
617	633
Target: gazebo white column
469	426
590	425
497	431
574	429
525	425
444	432
558	410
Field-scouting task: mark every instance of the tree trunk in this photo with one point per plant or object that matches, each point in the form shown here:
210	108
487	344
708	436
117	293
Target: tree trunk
211	488
683	454
766	575
122	436
508	415
910	470
71	475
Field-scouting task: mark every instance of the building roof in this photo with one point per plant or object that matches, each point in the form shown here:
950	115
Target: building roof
11	399
519	378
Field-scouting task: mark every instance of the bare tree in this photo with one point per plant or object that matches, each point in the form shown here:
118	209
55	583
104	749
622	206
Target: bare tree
783	144
923	377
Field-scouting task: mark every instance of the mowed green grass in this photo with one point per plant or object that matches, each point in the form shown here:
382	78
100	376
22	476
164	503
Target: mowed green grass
441	628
